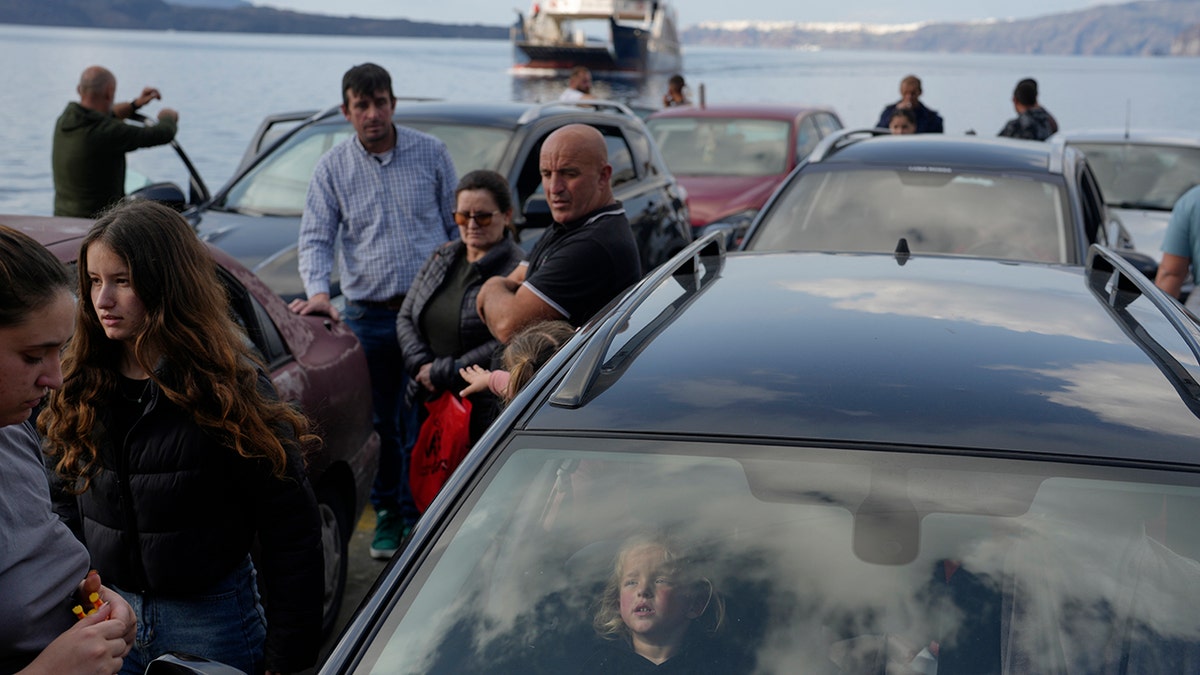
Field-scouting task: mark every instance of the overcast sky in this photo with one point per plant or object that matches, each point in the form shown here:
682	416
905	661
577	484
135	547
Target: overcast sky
696	11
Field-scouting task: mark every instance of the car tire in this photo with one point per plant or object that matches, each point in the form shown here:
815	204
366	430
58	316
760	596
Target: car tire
335	547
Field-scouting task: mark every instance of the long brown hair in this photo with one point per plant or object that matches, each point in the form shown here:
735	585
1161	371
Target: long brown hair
213	371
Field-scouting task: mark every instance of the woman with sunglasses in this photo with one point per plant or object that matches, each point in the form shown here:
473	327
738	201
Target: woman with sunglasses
439	329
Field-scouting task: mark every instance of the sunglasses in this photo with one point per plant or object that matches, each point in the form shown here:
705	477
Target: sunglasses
483	218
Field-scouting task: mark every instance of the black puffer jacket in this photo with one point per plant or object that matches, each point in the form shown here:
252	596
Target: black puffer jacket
171	511
502	259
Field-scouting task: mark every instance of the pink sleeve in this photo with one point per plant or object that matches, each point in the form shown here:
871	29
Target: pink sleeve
498	382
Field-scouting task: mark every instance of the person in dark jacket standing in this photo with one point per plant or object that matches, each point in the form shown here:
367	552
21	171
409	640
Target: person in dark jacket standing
439	330
1032	121
90	142
180	455
928	119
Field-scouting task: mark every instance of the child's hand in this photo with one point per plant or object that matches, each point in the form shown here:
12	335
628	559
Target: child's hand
477	379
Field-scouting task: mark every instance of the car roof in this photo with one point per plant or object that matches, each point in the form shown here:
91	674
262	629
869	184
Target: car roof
868	349
501	114
936	150
767	111
1185	137
59	234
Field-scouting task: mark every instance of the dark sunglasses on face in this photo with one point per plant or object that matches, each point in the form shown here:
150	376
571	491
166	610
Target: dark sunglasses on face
484	218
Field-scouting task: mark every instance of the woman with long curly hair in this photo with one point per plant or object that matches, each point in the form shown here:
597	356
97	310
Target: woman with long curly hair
179	454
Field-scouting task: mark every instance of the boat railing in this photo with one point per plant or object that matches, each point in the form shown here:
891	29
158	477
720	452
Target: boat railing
619	9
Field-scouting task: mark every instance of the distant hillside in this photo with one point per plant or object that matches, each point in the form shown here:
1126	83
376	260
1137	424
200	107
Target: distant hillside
158	15
1133	29
1147	28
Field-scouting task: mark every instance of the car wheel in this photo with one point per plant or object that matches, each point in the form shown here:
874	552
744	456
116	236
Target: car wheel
335	536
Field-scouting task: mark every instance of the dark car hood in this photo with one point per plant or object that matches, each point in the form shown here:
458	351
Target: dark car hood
266	245
711	198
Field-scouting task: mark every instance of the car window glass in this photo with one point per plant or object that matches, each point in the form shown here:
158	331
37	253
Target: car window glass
807	137
620	157
699	146
959	213
809	560
1143	176
158	164
827	124
470	147
254	320
277	185
1093	207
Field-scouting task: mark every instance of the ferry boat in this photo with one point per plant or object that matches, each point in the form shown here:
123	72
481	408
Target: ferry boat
610	37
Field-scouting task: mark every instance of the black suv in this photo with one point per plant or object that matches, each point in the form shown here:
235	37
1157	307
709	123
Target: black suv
856	462
256	216
866	190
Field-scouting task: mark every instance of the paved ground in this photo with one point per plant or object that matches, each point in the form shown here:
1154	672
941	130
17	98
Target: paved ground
362	573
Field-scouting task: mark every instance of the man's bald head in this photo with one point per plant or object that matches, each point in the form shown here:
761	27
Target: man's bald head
97	88
575	172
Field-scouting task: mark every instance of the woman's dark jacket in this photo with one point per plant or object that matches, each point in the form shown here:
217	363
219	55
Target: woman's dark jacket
171	510
474	336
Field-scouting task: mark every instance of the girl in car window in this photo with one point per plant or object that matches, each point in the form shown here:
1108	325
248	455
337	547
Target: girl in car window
651	612
528	350
180	455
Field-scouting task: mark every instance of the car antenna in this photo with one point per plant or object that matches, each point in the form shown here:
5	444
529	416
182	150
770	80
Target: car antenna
902	252
1128	114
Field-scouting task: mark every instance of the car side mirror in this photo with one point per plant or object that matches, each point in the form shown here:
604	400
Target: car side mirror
167	194
1145	264
537	213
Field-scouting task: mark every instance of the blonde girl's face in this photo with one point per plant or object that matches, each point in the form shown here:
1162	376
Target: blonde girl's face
654	607
117	306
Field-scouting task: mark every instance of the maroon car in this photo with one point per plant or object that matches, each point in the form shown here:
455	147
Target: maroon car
730	158
315	363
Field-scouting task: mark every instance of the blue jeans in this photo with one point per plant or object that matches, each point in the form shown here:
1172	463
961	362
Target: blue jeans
395	422
224	623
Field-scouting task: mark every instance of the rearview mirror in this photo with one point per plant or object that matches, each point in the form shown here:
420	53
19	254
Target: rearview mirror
1144	263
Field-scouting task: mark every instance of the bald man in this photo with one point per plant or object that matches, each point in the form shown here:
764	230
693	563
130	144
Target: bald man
90	142
585	259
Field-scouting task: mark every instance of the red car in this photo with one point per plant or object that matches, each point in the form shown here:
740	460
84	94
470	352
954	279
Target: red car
730	158
316	363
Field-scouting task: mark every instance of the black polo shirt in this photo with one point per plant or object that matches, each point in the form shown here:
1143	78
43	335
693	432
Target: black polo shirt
577	268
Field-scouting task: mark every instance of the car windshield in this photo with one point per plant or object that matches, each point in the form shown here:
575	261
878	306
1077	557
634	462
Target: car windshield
977	214
1140	176
807	560
277	185
710	146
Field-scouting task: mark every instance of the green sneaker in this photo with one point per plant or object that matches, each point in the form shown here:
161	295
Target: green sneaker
389	532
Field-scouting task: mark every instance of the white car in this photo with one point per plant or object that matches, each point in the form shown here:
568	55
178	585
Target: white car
1141	175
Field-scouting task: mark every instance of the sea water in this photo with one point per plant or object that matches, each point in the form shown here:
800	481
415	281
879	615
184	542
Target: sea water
223	84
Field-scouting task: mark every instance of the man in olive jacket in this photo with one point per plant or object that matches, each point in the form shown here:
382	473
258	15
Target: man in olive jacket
90	142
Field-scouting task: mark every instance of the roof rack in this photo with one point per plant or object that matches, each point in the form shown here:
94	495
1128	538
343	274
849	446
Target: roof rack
695	267
836	141
592	104
1116	283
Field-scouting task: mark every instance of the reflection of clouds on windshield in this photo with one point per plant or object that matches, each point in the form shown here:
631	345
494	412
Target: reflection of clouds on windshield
961	301
712	392
1130	394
